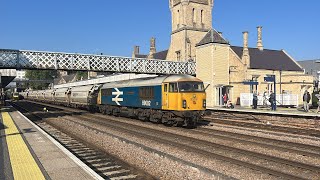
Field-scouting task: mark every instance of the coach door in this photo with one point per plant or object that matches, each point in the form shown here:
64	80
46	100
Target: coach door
165	96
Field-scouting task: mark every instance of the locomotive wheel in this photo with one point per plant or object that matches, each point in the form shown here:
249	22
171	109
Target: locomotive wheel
154	119
108	111
189	123
142	118
115	112
170	123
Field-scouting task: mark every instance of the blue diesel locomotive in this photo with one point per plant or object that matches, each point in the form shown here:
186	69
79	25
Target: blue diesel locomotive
172	99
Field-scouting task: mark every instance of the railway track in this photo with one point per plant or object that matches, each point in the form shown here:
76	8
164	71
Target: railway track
241	121
299	148
210	149
107	166
285	146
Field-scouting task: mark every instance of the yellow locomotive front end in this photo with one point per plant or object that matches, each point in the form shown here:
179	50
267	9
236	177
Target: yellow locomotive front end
185	97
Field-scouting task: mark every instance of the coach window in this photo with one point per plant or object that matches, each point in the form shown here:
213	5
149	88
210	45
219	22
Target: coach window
173	87
165	88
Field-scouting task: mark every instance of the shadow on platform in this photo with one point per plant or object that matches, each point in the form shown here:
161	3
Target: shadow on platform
2	126
6	135
24	131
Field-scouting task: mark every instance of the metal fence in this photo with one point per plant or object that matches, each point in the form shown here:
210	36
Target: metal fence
282	99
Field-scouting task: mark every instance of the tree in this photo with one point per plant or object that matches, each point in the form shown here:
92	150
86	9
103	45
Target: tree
40	75
82	75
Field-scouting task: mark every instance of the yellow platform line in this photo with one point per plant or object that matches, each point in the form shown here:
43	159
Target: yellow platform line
22	162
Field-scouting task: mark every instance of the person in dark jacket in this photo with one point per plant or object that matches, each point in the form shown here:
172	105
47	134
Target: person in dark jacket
306	99
272	100
255	100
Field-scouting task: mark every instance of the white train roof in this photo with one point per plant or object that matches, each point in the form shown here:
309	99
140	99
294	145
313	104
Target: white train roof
85	88
103	80
181	77
150	81
64	89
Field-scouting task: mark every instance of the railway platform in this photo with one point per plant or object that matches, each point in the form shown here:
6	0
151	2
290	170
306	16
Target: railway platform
281	111
27	152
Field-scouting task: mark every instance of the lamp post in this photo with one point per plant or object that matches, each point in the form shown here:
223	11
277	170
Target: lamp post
281	94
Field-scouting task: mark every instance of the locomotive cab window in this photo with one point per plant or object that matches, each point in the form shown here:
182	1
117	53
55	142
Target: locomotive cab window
173	87
165	89
191	87
146	93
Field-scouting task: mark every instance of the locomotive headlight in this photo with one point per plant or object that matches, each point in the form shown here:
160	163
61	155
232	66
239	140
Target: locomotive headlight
184	104
204	103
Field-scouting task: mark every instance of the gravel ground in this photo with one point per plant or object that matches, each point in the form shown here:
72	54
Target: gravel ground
276	120
264	133
262	150
155	164
163	167
173	167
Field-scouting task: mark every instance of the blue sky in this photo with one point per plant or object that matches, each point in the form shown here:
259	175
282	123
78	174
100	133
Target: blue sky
114	27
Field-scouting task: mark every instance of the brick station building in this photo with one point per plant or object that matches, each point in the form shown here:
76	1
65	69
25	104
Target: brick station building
224	66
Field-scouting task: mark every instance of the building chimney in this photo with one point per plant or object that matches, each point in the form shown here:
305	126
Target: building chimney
136	50
259	43
152	48
245	53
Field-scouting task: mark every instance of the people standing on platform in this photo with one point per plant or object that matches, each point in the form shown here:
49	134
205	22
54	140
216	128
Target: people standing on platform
255	100
272	100
318	96
306	99
265	98
2	99
225	99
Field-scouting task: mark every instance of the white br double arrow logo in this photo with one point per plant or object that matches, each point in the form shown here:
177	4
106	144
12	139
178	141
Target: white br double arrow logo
117	99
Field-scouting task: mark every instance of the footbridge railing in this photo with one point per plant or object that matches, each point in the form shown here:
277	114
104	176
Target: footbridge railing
25	59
